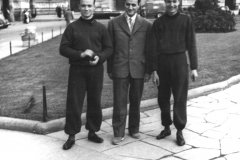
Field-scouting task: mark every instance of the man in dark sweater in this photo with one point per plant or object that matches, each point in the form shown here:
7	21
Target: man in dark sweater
86	43
173	34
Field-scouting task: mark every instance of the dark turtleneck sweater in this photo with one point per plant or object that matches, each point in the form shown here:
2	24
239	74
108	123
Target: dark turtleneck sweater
172	35
85	34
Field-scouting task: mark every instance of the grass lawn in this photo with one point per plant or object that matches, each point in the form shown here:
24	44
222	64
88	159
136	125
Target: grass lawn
23	75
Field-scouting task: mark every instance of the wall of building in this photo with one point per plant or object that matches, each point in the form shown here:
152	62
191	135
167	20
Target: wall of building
100	4
43	6
105	4
1	6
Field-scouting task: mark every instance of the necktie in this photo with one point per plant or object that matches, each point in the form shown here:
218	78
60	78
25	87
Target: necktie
131	24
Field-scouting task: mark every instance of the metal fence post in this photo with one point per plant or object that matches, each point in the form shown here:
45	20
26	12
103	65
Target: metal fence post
44	105
10	45
29	41
52	33
42	37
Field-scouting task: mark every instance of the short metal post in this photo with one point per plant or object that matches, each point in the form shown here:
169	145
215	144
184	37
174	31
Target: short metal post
60	30
29	41
10	45
42	37
44	105
52	33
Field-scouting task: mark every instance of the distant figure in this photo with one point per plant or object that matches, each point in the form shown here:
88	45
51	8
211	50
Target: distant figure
63	10
10	14
26	16
59	11
68	15
33	11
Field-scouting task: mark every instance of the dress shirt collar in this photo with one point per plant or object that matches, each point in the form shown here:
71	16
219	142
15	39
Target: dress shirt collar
133	18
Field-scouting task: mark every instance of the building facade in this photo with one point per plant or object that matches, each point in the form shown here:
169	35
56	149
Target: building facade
42	6
49	6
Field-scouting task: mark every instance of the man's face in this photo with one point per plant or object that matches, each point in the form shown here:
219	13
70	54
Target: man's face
87	8
131	7
171	6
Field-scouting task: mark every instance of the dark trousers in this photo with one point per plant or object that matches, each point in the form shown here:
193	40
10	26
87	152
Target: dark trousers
122	87
173	75
82	80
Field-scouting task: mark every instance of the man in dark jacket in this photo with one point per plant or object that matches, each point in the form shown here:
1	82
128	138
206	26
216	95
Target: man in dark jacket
126	67
173	34
86	43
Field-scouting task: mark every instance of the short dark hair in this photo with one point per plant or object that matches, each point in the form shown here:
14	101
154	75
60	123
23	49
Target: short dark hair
139	1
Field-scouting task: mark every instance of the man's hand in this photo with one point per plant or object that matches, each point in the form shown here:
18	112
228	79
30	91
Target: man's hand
87	53
155	78
194	75
95	61
147	77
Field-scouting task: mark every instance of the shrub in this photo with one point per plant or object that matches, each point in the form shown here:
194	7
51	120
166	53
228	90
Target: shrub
208	17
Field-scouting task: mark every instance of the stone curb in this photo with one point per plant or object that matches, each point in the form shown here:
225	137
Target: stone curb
58	124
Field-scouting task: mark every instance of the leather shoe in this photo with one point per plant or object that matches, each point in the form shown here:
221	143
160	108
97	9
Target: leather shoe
164	133
94	138
69	143
180	138
117	140
135	135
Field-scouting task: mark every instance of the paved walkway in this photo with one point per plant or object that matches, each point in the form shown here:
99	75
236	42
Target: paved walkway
211	134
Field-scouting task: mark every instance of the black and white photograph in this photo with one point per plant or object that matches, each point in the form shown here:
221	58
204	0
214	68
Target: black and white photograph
119	79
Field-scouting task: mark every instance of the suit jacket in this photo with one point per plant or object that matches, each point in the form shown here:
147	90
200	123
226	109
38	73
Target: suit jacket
129	48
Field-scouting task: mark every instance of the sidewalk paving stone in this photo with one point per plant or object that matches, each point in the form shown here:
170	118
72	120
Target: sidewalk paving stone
192	119
204	109
202	99
171	158
107	143
125	158
200	127
234	156
199	154
197	111
214	134
169	144
151	119
222	158
217	117
155	132
199	141
19	145
229	127
230	146
139	150
63	136
150	127
106	128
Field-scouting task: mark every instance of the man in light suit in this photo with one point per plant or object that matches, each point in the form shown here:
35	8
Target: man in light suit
126	67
